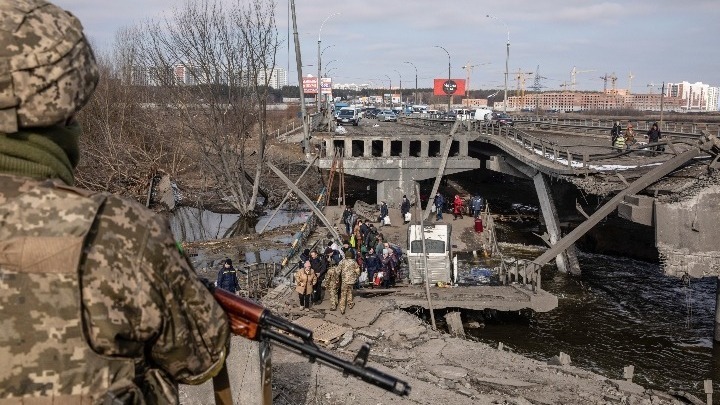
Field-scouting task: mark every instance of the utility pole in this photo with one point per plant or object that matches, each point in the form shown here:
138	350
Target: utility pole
415	97
298	62
662	100
449	95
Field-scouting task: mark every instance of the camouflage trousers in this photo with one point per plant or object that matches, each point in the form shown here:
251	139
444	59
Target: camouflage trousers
346	297
331	291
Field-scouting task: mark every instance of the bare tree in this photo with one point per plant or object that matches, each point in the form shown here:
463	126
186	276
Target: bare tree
123	142
213	65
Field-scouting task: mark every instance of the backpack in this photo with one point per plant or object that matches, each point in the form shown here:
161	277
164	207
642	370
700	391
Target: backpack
336	257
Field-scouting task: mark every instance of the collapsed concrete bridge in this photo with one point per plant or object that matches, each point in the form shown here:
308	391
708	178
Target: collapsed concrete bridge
674	202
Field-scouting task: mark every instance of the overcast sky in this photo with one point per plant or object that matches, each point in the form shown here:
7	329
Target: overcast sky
656	40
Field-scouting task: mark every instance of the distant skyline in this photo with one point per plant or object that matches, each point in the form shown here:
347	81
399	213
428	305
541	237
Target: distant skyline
656	40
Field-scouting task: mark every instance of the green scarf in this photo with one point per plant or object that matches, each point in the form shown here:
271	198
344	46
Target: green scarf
47	152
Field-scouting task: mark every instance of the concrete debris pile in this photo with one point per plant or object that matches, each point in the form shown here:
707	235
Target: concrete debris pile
368	212
439	367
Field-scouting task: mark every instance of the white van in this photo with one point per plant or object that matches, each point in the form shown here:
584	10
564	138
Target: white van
462	114
348	115
483	114
438	248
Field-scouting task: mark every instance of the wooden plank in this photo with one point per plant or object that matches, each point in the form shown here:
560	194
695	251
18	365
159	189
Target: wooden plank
324	332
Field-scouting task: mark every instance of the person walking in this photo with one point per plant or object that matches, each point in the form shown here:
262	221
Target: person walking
347	220
111	310
384	212
654	135
439	202
457	207
477	205
615	132
227	277
319	266
349	273
405	209
332	286
305	280
629	136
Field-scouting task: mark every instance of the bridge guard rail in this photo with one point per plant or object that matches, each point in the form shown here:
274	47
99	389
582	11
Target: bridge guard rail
512	270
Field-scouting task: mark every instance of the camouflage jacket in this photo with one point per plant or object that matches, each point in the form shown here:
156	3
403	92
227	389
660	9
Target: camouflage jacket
96	301
349	271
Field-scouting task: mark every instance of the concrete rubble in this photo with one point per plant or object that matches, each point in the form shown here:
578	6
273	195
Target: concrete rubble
438	367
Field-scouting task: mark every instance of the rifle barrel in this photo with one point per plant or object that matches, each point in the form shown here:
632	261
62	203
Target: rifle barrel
367	374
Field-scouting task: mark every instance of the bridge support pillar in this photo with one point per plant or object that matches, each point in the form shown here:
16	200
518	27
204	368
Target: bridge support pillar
567	260
348	147
405	148
424	148
463	147
391	191
386	148
367	148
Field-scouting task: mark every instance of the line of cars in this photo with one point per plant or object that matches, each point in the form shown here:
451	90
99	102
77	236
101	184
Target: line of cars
353	115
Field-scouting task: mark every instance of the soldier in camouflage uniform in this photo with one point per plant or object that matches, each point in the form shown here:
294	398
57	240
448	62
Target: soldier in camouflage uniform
97	304
349	273
332	284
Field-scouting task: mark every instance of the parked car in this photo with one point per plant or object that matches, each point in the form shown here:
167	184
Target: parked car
372	112
500	118
386	115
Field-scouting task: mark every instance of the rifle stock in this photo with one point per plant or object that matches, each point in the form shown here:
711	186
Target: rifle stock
255	322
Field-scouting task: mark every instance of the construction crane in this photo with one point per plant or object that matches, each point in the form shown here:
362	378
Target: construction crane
630	77
573	73
613	80
468	70
605	78
521	85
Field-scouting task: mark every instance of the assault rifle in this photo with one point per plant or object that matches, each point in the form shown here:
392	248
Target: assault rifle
255	322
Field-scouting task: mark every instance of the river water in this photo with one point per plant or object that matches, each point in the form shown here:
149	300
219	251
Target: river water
617	313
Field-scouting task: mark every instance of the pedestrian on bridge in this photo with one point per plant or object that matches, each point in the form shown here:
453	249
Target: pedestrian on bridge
439	203
405	209
305	280
629	136
615	132
654	136
457	207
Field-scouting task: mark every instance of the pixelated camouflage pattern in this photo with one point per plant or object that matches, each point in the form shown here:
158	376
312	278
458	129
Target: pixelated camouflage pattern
332	283
47	68
349	273
129	322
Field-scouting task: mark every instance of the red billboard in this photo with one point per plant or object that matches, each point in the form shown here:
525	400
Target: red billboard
310	85
451	87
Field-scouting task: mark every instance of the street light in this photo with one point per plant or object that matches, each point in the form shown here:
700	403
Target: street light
391	103
320	60
507	58
327	65
448	54
414	97
401	104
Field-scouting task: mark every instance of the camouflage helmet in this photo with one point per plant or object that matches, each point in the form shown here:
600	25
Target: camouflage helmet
47	68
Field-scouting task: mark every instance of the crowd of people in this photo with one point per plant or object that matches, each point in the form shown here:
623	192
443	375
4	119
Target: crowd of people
365	260
625	139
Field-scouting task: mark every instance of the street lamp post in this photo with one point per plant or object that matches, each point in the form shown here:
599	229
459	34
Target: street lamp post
448	54
415	96
390	81
319	89
507	58
401	103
